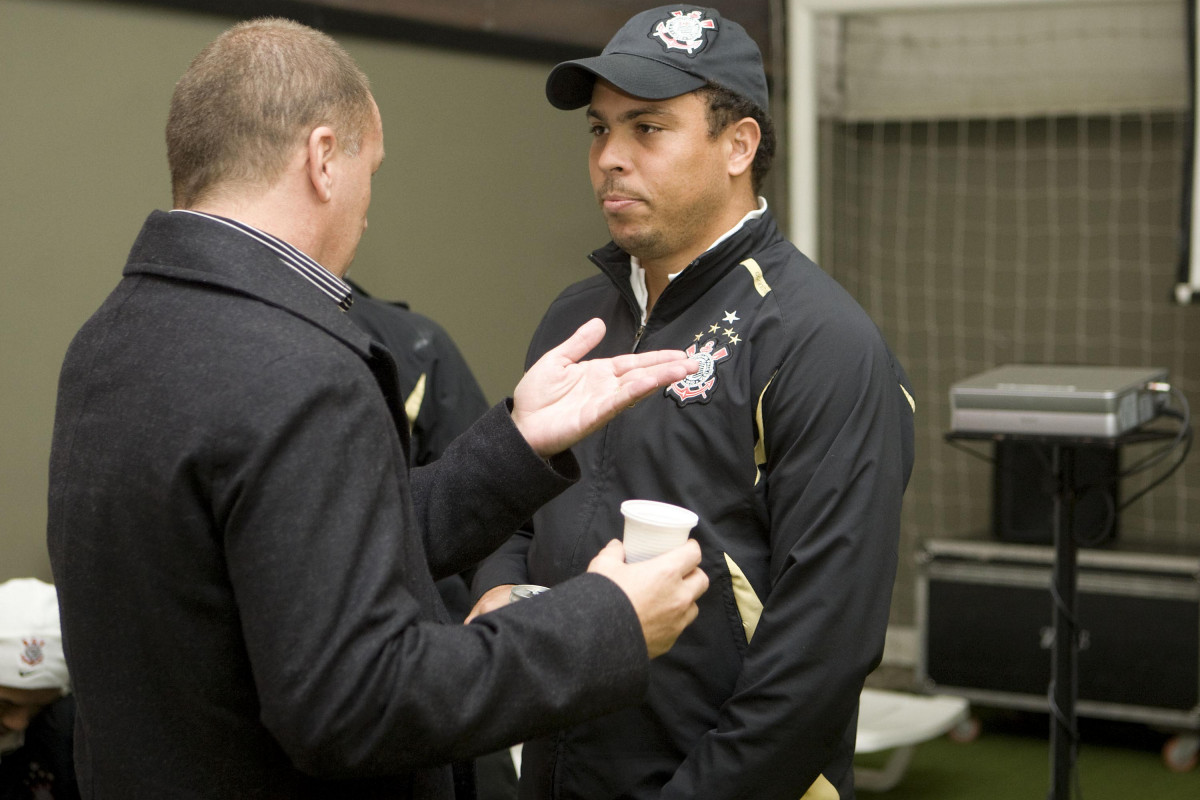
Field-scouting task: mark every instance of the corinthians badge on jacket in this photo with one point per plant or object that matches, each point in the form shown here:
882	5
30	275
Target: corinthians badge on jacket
698	387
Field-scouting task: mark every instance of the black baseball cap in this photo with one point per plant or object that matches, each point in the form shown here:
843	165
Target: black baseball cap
665	52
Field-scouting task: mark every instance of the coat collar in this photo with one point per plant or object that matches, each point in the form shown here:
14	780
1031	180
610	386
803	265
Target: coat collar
193	249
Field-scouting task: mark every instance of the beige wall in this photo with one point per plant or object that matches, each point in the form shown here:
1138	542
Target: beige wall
481	212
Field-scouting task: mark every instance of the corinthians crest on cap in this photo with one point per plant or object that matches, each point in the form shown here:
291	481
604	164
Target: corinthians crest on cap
682	31
33	653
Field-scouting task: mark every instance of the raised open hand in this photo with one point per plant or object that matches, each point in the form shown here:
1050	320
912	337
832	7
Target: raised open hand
562	399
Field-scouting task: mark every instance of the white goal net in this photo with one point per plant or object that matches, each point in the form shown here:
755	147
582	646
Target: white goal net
1001	183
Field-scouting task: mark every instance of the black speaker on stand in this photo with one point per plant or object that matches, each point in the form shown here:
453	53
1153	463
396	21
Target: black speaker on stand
1024	487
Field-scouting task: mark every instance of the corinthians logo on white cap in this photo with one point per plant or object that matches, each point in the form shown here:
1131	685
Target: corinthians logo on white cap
683	31
33	655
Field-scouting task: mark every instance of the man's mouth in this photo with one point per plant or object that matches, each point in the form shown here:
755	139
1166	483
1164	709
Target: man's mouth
615	203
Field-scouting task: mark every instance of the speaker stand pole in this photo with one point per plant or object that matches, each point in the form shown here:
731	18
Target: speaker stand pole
1063	686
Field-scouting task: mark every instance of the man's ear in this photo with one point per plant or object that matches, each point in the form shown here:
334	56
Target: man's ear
744	136
322	145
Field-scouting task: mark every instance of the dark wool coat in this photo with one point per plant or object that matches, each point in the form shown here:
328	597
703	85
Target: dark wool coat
246	567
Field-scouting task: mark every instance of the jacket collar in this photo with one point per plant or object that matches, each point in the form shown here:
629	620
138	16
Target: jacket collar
700	275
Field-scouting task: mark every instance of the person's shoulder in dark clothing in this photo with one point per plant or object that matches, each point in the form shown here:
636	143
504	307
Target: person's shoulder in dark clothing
442	397
43	768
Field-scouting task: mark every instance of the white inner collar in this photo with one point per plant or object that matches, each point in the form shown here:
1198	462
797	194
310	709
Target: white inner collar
637	275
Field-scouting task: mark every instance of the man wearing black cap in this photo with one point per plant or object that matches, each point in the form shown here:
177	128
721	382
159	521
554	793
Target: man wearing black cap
793	442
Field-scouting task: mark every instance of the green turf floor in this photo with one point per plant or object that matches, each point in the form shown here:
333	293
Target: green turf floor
1010	759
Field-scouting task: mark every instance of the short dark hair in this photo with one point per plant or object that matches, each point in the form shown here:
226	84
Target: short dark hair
724	109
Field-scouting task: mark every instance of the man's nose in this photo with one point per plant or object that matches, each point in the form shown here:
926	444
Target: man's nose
612	154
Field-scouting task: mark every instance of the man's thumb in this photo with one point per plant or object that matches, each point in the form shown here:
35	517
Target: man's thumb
614	549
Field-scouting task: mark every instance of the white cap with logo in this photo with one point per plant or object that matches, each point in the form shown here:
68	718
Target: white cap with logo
31	651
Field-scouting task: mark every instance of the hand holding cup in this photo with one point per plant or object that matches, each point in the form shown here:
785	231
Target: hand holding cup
663	590
653	528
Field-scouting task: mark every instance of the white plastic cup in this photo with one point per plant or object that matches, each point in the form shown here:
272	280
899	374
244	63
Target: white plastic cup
653	528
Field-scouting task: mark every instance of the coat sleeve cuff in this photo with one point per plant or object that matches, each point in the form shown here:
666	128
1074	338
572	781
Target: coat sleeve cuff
563	465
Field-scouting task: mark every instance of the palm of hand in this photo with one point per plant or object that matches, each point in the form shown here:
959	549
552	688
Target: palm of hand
562	398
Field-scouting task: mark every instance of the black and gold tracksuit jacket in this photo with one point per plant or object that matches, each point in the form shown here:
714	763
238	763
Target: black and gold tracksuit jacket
793	444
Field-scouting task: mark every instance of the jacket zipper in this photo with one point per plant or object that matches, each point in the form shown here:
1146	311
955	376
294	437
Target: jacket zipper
637	337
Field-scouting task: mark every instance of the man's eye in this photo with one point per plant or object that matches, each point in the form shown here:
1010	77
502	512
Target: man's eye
597	130
649	128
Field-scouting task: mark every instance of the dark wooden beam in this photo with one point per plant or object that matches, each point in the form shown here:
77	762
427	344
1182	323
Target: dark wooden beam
539	30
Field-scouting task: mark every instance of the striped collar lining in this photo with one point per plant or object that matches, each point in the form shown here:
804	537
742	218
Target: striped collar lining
334	287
